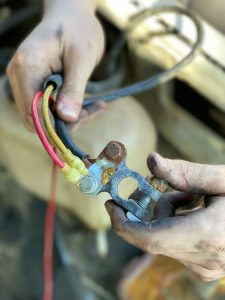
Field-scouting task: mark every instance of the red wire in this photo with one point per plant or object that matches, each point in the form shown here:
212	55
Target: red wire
48	239
40	131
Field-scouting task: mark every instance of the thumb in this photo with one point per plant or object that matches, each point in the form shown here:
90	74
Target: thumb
132	232
188	177
77	70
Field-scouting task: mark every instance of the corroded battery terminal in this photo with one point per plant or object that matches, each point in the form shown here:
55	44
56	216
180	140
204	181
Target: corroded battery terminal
107	172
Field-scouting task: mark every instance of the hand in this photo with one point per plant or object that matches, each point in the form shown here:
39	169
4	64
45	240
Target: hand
197	237
69	40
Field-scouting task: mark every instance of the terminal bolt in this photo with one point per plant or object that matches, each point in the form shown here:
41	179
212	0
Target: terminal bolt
90	185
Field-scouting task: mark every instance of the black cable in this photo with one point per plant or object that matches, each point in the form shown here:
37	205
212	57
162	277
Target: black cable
143	85
64	135
114	57
163	77
114	81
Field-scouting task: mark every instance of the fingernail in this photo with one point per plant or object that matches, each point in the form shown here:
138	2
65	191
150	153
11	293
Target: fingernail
156	162
155	159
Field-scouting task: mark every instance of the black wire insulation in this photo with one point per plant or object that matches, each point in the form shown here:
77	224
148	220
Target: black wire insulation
64	135
112	82
163	77
115	57
145	85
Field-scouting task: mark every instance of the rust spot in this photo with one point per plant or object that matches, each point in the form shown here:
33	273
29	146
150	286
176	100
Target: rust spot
107	174
158	184
88	162
114	152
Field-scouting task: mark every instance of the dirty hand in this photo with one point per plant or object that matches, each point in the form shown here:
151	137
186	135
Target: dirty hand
195	238
68	40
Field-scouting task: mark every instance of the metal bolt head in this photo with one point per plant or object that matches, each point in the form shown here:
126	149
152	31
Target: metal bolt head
90	185
114	152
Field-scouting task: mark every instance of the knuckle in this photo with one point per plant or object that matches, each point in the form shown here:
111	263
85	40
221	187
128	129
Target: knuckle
89	52
9	70
211	245
186	171
27	110
218	248
77	52
18	59
202	245
212	265
154	247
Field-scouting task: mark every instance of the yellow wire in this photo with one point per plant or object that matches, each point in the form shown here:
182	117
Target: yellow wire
75	168
47	121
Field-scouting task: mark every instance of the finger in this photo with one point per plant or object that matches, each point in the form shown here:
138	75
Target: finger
96	109
170	202
91	112
188	177
88	114
77	69
204	259
130	231
26	76
169	235
205	274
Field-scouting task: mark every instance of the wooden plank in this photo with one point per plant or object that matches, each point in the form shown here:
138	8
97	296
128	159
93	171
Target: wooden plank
206	73
120	11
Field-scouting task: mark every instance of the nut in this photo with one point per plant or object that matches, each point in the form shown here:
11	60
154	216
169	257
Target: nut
114	152
90	185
